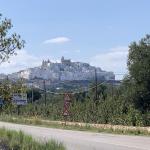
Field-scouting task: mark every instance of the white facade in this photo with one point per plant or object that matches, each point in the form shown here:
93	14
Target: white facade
63	71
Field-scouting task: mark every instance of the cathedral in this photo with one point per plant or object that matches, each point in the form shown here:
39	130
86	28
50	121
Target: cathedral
46	63
65	61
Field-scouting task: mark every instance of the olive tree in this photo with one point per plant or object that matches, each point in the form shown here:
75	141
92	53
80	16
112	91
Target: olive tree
9	42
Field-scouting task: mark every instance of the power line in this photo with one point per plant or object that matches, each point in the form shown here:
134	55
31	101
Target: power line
120	73
77	92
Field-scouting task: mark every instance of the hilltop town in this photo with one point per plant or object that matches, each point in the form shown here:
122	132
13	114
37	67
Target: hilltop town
65	70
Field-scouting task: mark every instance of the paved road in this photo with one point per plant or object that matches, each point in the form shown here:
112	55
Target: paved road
78	140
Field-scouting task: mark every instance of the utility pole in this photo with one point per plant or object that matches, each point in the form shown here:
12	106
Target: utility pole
32	93
112	89
44	92
96	97
18	109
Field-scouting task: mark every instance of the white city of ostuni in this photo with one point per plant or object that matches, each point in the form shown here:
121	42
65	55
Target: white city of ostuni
65	70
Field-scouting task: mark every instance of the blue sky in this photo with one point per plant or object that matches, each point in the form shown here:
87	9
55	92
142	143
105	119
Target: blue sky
93	31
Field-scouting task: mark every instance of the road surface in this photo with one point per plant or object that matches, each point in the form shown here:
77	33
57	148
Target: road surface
78	140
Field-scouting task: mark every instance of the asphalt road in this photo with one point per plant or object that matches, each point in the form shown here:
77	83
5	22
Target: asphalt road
78	140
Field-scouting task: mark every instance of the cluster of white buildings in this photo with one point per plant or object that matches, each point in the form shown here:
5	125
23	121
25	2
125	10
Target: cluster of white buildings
65	70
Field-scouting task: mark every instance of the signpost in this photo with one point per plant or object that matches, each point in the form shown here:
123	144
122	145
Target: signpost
67	103
19	99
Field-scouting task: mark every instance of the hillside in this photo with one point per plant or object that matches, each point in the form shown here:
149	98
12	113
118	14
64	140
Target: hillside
65	70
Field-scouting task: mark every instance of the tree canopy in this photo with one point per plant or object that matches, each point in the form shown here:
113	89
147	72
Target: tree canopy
8	42
139	72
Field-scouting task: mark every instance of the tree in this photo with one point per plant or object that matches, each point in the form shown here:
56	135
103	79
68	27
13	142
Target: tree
36	94
139	73
8	42
19	86
6	90
102	91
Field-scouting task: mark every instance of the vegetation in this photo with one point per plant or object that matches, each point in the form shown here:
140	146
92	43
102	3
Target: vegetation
126	104
8	42
35	93
112	110
139	73
19	141
8	88
129	130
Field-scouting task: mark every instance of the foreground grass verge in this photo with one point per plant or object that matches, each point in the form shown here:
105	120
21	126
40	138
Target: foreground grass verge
115	129
13	140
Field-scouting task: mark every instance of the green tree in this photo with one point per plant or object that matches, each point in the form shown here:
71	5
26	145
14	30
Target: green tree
139	73
19	86
6	90
36	94
8	42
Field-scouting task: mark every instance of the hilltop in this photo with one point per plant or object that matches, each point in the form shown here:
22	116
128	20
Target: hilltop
65	70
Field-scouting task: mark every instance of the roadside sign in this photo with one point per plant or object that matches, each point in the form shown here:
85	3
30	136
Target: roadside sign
19	99
67	103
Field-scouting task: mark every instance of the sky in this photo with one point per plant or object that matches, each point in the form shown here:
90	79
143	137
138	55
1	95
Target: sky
93	31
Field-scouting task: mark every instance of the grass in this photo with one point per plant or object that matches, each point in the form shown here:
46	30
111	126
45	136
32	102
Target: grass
13	140
76	126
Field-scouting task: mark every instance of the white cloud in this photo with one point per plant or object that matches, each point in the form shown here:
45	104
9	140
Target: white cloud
23	60
114	59
77	51
57	40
